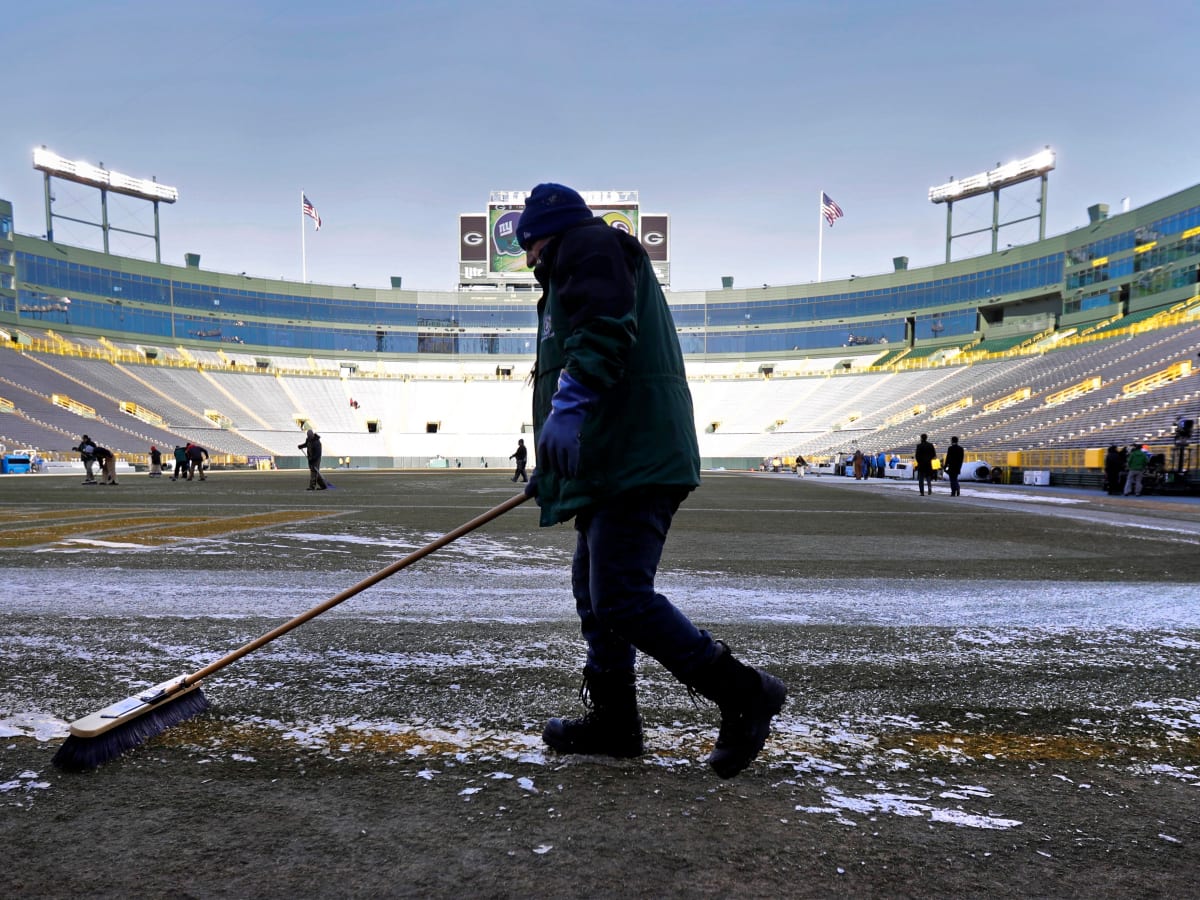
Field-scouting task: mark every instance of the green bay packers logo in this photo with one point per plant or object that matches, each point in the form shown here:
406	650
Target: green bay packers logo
619	221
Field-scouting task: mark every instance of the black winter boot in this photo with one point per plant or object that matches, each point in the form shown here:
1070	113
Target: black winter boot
611	726
749	698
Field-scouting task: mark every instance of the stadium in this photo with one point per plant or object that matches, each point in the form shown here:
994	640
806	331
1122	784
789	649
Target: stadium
992	696
1038	355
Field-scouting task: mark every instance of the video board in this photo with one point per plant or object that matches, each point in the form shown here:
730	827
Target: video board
489	249
505	256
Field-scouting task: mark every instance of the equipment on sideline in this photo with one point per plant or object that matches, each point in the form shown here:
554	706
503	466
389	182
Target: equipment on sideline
105	735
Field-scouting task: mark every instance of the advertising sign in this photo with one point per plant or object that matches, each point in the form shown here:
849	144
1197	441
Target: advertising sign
655	237
505	253
472	238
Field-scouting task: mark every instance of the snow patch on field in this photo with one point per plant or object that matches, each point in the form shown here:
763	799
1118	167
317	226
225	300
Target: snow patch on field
843	807
25	781
521	592
39	726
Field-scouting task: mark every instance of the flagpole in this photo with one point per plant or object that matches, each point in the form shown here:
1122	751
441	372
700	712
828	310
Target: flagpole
820	231
303	254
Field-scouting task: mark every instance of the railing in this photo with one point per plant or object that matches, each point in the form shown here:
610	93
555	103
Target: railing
1150	382
961	403
1076	390
140	412
1010	400
80	409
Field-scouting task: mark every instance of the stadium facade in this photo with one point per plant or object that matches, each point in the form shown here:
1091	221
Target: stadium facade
1133	264
1139	260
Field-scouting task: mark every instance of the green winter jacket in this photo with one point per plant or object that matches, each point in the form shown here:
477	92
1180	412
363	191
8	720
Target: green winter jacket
603	317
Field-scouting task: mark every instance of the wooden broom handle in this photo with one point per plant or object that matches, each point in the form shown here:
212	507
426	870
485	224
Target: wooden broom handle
449	537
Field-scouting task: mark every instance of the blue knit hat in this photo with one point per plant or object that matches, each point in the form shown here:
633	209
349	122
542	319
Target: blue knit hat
550	208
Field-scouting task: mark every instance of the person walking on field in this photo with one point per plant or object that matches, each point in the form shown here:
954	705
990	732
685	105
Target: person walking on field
1137	462
953	465
617	453
181	463
155	463
924	455
521	455
312	449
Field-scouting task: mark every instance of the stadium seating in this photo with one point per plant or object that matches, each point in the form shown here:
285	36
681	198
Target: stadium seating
384	412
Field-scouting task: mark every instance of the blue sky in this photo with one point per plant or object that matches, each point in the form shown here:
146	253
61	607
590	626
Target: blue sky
732	117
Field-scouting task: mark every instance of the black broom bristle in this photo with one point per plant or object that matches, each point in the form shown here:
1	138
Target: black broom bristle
81	754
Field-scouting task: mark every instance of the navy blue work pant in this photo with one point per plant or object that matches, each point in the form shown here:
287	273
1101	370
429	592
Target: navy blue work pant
617	551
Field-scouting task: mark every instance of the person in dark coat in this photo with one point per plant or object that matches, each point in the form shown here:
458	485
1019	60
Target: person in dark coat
1113	464
87	455
924	456
155	463
617	452
181	463
312	449
520	455
953	464
196	457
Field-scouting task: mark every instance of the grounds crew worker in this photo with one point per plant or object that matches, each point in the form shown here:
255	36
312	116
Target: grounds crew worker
312	449
616	452
520	455
87	455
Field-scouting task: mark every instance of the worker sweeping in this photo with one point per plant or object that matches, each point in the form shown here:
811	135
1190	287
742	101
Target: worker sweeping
616	451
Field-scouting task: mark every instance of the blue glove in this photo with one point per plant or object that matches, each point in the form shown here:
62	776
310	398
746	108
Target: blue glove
558	443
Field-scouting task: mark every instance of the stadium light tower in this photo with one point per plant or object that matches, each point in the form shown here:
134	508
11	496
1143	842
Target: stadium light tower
54	166
1037	166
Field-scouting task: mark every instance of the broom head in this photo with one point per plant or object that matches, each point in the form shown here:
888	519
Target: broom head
105	735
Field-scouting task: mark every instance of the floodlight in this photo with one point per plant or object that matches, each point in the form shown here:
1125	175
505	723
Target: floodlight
95	176
1010	173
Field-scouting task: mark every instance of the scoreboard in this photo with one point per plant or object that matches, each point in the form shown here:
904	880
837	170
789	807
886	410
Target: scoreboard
490	256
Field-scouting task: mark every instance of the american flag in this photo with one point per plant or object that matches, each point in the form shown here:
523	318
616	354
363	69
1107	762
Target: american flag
311	211
829	209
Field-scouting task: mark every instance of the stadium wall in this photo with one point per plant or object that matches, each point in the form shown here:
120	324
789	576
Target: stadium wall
1133	261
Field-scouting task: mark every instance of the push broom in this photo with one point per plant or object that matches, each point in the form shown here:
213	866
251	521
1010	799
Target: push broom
106	734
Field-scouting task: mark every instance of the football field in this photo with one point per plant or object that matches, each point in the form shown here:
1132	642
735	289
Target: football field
996	694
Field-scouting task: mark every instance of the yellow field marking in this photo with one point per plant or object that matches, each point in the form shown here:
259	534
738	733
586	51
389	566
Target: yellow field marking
1032	747
58	515
152	530
216	735
32	535
261	738
402	743
200	528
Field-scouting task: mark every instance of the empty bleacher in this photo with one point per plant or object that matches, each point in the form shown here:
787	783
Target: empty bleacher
389	409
